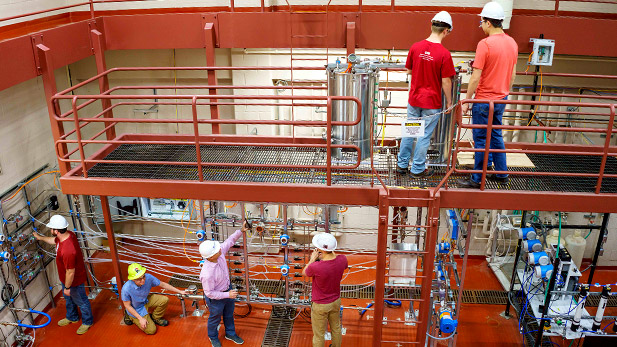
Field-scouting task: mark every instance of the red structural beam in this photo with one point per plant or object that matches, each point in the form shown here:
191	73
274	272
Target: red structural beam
374	30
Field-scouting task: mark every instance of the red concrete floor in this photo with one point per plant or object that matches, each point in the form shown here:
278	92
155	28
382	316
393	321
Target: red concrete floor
479	325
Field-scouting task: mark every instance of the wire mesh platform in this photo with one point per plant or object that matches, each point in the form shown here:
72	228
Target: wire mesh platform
385	163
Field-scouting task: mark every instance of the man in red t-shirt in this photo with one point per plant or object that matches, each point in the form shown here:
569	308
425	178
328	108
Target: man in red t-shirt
72	272
326	268
494	69
431	69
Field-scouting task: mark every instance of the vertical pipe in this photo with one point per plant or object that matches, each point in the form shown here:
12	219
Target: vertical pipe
247	280
380	274
329	143
42	258
286	260
77	220
430	240
596	254
487	144
459	299
607	143
516	258
4	277
547	300
115	261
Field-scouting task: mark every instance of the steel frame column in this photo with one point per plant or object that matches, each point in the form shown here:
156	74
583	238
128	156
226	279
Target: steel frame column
428	261
98	47
380	275
211	61
45	67
596	254
115	261
351	37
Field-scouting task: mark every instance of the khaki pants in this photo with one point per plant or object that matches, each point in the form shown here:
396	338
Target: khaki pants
159	302
321	314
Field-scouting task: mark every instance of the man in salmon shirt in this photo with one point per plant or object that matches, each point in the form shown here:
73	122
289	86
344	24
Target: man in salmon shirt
71	271
494	69
326	268
431	69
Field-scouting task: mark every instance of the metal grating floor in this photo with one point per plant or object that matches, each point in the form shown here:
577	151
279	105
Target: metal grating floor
280	326
385	159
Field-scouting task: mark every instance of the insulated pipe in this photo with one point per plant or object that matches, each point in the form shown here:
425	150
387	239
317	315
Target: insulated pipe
576	321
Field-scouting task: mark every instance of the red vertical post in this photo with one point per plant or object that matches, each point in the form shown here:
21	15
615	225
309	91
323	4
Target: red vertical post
91	9
487	144
556	8
98	45
200	172
392	5
262	6
351	37
428	261
115	261
380	275
211	61
49	85
607	144
359	5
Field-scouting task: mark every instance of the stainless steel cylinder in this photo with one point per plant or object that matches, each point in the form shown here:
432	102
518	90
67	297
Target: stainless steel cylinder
441	143
362	85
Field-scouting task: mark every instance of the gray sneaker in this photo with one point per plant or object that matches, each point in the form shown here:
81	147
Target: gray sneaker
215	342
235	338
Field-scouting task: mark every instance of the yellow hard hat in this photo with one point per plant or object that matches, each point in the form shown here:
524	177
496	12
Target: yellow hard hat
136	271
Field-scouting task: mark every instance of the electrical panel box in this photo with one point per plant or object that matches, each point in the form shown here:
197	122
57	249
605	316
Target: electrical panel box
120	207
167	208
543	50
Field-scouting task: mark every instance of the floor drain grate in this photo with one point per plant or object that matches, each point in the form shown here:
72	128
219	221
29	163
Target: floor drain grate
280	325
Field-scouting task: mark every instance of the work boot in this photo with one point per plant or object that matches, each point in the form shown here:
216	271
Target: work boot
467	183
425	173
127	319
161	321
235	338
401	171
82	329
65	321
498	179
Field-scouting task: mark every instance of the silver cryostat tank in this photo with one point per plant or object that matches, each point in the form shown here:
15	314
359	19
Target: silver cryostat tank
441	143
362	82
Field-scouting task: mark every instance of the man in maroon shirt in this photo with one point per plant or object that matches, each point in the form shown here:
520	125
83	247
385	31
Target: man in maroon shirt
72	272
326	268
431	69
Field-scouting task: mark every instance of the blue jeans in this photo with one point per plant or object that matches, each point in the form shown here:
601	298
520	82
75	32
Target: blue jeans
479	115
78	298
221	308
419	154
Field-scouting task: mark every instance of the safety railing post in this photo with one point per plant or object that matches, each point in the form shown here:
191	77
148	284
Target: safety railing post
200	173
487	144
607	144
82	156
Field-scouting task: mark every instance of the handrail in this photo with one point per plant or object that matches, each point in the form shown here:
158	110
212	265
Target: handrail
607	149
195	121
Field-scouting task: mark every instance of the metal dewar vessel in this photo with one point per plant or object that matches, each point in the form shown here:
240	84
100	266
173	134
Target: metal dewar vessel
362	82
441	142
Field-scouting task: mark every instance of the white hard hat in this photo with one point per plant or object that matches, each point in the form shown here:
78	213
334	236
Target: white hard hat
57	222
325	242
493	10
209	248
443	17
